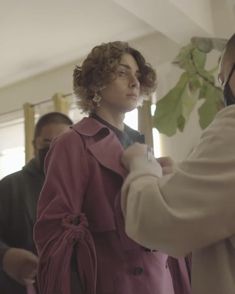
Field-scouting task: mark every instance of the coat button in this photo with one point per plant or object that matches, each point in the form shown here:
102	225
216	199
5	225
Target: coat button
138	271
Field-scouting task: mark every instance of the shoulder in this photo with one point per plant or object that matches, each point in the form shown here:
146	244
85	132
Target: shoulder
225	118
228	111
68	138
89	127
11	187
12	177
86	128
223	126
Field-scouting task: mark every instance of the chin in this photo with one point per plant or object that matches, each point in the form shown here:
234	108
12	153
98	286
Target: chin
129	108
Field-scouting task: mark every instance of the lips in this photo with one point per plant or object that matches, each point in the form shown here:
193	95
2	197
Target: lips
133	95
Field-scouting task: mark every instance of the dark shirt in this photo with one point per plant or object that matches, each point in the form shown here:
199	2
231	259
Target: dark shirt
126	137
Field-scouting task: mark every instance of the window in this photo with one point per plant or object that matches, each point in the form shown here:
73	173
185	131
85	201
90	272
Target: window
131	119
12	152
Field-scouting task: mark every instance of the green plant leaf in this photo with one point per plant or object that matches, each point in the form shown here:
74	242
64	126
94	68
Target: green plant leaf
194	83
205	75
189	100
169	108
181	123
203	89
184	59
199	58
207	44
213	103
203	44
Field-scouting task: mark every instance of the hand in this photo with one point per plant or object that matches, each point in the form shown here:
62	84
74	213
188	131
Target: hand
20	265
132	152
167	164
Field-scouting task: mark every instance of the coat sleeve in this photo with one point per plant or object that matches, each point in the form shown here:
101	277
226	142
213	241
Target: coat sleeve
61	226
191	208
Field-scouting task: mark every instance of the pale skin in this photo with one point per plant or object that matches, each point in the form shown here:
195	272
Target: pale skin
21	265
122	94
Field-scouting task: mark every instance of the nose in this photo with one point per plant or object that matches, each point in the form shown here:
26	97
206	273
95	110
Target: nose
134	82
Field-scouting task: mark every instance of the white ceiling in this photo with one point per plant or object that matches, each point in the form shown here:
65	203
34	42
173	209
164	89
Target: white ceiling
40	35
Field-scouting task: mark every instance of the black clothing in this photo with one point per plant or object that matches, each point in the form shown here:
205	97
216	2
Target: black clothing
18	201
126	137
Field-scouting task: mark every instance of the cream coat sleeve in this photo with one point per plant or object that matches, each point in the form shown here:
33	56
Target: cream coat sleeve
191	208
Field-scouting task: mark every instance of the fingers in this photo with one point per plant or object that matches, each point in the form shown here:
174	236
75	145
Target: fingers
132	152
165	161
20	265
167	165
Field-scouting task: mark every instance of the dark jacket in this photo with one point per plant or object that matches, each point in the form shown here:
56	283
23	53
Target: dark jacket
18	199
79	211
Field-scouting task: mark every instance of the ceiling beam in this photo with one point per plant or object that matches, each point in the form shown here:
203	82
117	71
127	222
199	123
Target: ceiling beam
178	20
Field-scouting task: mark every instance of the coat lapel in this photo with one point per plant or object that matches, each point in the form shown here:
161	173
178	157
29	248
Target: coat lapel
108	152
106	149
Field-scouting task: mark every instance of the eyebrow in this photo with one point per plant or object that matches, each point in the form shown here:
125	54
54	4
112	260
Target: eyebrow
128	67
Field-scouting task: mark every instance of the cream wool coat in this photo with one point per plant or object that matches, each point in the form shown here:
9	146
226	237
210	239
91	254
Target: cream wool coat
191	210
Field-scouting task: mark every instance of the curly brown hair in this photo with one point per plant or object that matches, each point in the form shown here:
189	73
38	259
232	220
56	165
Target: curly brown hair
99	69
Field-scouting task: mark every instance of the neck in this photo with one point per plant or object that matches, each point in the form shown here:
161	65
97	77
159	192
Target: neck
112	117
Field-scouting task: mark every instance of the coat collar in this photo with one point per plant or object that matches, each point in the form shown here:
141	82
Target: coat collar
107	149
88	126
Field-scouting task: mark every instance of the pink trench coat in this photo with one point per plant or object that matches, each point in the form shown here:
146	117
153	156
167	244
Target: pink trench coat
79	212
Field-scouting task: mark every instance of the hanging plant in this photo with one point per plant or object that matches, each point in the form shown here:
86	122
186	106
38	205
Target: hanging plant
195	83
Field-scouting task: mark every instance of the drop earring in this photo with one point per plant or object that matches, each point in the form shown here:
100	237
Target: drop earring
96	99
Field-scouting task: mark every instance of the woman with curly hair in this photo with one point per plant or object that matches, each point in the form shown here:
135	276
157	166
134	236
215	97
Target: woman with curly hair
80	232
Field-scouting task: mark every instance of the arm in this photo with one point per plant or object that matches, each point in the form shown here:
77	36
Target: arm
191	208
17	263
20	265
61	226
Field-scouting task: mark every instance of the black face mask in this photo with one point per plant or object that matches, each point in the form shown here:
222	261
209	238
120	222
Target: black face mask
41	157
229	98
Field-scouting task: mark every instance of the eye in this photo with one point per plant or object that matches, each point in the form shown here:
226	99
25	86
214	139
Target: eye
122	73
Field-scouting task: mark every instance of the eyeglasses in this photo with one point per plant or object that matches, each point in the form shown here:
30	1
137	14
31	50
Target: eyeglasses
223	83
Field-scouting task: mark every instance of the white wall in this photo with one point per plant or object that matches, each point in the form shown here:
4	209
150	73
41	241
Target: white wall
36	89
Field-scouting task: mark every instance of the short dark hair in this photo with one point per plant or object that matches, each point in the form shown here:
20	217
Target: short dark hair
99	68
51	118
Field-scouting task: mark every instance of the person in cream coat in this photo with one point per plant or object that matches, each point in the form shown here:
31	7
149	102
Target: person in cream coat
193	208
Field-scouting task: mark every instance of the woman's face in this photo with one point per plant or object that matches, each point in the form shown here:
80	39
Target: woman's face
123	93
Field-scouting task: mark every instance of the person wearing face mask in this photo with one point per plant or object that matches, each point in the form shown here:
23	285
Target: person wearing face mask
18	200
193	208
